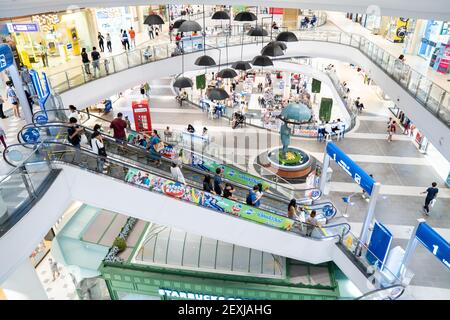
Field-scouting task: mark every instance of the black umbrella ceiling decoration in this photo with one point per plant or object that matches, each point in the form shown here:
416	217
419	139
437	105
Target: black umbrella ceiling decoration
274	49
153	19
178	23
189	26
220	15
262	61
205	61
245	16
258	31
217	94
287	36
183	82
241	65
227	73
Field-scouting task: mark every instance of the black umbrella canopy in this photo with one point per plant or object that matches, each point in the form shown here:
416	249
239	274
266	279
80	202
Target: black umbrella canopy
183	82
281	44
220	15
178	23
287	36
272	51
205	61
217	94
258	32
227	73
189	26
153	19
262	61
245	16
241	65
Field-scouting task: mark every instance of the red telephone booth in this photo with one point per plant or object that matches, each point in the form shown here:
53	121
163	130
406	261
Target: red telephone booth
141	114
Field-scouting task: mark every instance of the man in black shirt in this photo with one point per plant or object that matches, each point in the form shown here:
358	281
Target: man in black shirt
74	137
86	61
431	195
95	60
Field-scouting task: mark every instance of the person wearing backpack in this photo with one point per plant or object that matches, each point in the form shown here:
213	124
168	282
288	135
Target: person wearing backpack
252	198
99	149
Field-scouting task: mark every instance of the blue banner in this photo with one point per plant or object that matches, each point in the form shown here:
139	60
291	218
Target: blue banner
434	242
6	57
379	245
350	167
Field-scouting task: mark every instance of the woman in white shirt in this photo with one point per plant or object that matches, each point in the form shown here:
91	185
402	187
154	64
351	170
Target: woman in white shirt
177	175
99	149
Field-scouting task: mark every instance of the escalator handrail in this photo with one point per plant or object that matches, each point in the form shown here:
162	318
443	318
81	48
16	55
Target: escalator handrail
124	164
140	149
289	186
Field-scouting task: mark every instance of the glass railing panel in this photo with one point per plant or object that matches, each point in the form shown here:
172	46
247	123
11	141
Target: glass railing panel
334	37
135	58
356	39
76	77
58	82
434	98
120	62
414	80
423	89
345	38
160	52
444	110
390	64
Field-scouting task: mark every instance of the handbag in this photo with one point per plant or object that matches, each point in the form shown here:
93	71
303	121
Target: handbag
158	146
83	139
101	151
432	203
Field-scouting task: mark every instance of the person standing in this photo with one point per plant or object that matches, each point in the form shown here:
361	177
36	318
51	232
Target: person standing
101	42
311	223
207	185
44	54
392	128
128	123
177	175
2	114
54	268
119	125
155	148
12	98
86	61
151	34
73	112
74	137
218	182
95	61
99	149
431	196
108	42
126	43
132	34
228	191
170	31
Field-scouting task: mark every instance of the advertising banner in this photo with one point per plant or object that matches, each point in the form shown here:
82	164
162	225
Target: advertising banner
205	199
6	57
350	167
229	173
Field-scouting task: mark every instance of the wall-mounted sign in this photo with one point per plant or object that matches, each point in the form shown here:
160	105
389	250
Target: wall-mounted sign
434	242
22	27
6	57
191	295
350	167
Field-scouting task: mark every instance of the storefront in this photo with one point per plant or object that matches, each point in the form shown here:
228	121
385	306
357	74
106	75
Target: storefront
435	35
59	35
112	20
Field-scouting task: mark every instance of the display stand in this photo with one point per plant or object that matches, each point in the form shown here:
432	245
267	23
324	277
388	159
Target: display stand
141	115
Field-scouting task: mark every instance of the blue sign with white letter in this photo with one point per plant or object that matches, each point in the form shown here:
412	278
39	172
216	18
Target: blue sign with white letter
379	245
6	57
350	167
434	242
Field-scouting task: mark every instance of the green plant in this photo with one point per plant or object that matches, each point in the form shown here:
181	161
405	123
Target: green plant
120	243
293	158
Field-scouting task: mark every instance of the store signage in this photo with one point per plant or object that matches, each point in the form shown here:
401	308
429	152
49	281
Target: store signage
31	135
206	199
434	242
22	27
191	295
350	167
379	245
229	173
6	57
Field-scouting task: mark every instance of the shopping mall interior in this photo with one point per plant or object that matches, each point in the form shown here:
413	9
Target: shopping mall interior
160	151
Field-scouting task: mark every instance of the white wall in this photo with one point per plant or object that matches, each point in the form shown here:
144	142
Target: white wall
439	9
111	194
436	131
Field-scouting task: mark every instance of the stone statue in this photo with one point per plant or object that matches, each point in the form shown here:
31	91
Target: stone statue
285	134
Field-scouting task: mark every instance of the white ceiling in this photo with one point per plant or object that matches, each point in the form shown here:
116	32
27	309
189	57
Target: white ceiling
432	9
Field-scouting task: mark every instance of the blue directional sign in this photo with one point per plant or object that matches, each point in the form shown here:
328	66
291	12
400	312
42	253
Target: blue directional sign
31	135
434	242
350	167
41	119
379	245
6	57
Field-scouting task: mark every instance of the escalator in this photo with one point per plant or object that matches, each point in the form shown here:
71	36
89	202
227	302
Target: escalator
136	155
62	156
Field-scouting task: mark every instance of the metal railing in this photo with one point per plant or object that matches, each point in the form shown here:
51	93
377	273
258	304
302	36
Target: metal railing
433	97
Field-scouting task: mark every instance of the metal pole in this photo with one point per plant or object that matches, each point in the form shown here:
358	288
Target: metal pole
410	247
325	166
18	86
370	212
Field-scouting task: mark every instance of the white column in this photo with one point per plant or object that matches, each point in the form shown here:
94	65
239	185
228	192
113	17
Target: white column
18	87
24	284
